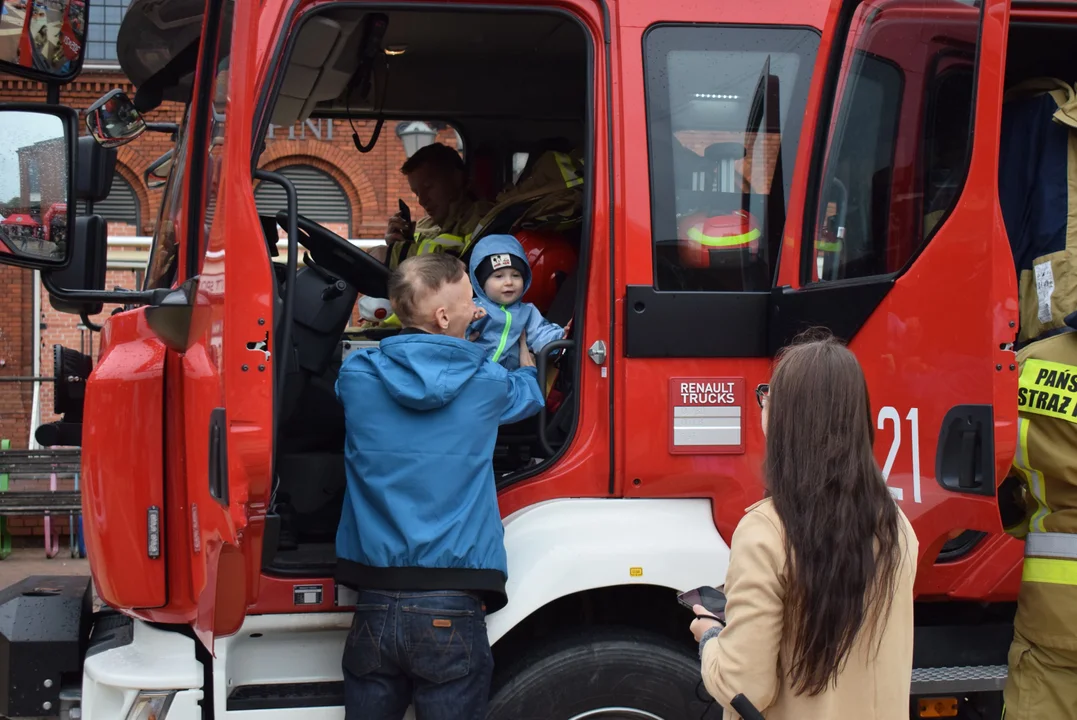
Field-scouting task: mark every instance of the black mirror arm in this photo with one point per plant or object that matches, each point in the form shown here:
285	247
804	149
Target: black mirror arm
162	127
90	324
153	298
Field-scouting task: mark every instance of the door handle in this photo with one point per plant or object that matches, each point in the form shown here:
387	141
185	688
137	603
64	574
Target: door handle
965	457
967	477
218	456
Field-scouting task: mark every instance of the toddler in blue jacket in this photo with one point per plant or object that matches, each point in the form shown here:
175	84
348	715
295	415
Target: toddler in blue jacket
500	275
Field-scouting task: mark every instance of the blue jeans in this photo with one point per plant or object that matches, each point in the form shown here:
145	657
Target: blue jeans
429	649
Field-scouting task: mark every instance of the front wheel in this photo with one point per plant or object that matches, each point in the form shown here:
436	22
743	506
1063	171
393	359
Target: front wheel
608	674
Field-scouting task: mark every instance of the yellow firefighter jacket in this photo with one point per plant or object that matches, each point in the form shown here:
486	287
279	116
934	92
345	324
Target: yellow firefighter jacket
1046	461
453	237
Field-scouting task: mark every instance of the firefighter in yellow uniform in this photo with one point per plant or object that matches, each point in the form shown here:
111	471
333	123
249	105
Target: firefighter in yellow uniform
436	175
1042	683
548	195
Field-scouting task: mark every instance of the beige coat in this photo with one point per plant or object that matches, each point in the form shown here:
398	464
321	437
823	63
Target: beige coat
749	655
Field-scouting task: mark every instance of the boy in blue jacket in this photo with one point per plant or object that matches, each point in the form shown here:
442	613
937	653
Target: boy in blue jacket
420	534
501	276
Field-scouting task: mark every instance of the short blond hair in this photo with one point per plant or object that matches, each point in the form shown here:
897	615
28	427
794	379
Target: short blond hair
418	276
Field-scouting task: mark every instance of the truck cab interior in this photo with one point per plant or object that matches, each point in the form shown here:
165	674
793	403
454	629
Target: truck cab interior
513	84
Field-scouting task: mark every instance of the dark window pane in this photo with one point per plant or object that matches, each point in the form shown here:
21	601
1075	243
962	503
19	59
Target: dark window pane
899	152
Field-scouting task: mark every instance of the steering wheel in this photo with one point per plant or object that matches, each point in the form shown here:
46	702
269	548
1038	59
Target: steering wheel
359	269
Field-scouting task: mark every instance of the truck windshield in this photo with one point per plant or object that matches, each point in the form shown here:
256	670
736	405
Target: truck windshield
713	161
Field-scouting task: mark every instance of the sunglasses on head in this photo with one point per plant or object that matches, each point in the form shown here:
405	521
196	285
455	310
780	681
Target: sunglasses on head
762	392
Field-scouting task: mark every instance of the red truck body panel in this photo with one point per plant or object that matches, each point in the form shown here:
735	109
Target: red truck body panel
936	340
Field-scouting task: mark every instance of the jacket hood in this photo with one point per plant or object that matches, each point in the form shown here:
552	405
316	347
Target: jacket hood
495	245
426	371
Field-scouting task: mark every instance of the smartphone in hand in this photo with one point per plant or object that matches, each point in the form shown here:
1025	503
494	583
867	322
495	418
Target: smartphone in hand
710	598
405	214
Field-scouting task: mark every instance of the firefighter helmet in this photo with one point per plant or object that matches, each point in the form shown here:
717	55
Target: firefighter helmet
551	258
704	240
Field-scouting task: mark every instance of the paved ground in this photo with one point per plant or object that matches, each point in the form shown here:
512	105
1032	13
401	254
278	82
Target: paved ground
23	562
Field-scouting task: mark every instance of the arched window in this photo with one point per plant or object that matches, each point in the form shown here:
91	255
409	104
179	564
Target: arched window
121	205
320	197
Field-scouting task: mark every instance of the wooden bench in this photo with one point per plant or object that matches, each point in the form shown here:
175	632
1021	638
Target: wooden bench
39	465
40	503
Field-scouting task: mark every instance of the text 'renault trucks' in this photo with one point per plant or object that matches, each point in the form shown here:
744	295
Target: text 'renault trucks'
728	174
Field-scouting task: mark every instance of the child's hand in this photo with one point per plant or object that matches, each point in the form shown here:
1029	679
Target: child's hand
474	335
479	314
568	329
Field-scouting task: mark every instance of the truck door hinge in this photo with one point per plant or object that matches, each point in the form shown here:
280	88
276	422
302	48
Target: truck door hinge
597	352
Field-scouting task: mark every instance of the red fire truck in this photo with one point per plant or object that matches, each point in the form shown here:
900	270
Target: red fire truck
837	162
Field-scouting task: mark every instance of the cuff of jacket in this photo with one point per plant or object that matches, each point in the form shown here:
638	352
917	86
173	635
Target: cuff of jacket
709	635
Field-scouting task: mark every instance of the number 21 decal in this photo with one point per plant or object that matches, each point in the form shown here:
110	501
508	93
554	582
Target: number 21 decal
889	413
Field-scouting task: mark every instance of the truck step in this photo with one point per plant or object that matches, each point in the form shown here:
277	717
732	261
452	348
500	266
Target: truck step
287	695
965	679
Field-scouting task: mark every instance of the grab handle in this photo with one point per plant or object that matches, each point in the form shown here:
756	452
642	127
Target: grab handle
541	363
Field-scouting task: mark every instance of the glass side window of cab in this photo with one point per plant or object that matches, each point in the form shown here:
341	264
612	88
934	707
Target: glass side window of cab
164	253
724	110
218	101
164	258
901	137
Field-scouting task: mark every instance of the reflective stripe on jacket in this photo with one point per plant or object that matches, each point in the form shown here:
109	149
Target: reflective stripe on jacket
453	237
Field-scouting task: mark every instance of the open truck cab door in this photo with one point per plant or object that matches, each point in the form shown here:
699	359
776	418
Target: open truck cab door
180	538
893	239
175	498
215	353
896	199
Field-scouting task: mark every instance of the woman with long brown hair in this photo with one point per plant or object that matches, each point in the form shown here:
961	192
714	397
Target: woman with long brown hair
819	614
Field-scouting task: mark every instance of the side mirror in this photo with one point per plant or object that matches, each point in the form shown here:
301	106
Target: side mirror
113	120
86	270
46	41
96	168
37	198
156	174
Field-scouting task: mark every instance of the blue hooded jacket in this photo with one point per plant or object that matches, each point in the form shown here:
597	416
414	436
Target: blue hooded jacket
499	332
420	513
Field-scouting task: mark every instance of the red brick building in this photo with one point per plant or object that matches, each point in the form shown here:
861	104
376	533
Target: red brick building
351	193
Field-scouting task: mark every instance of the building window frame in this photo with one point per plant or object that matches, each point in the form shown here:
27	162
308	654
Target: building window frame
104	15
